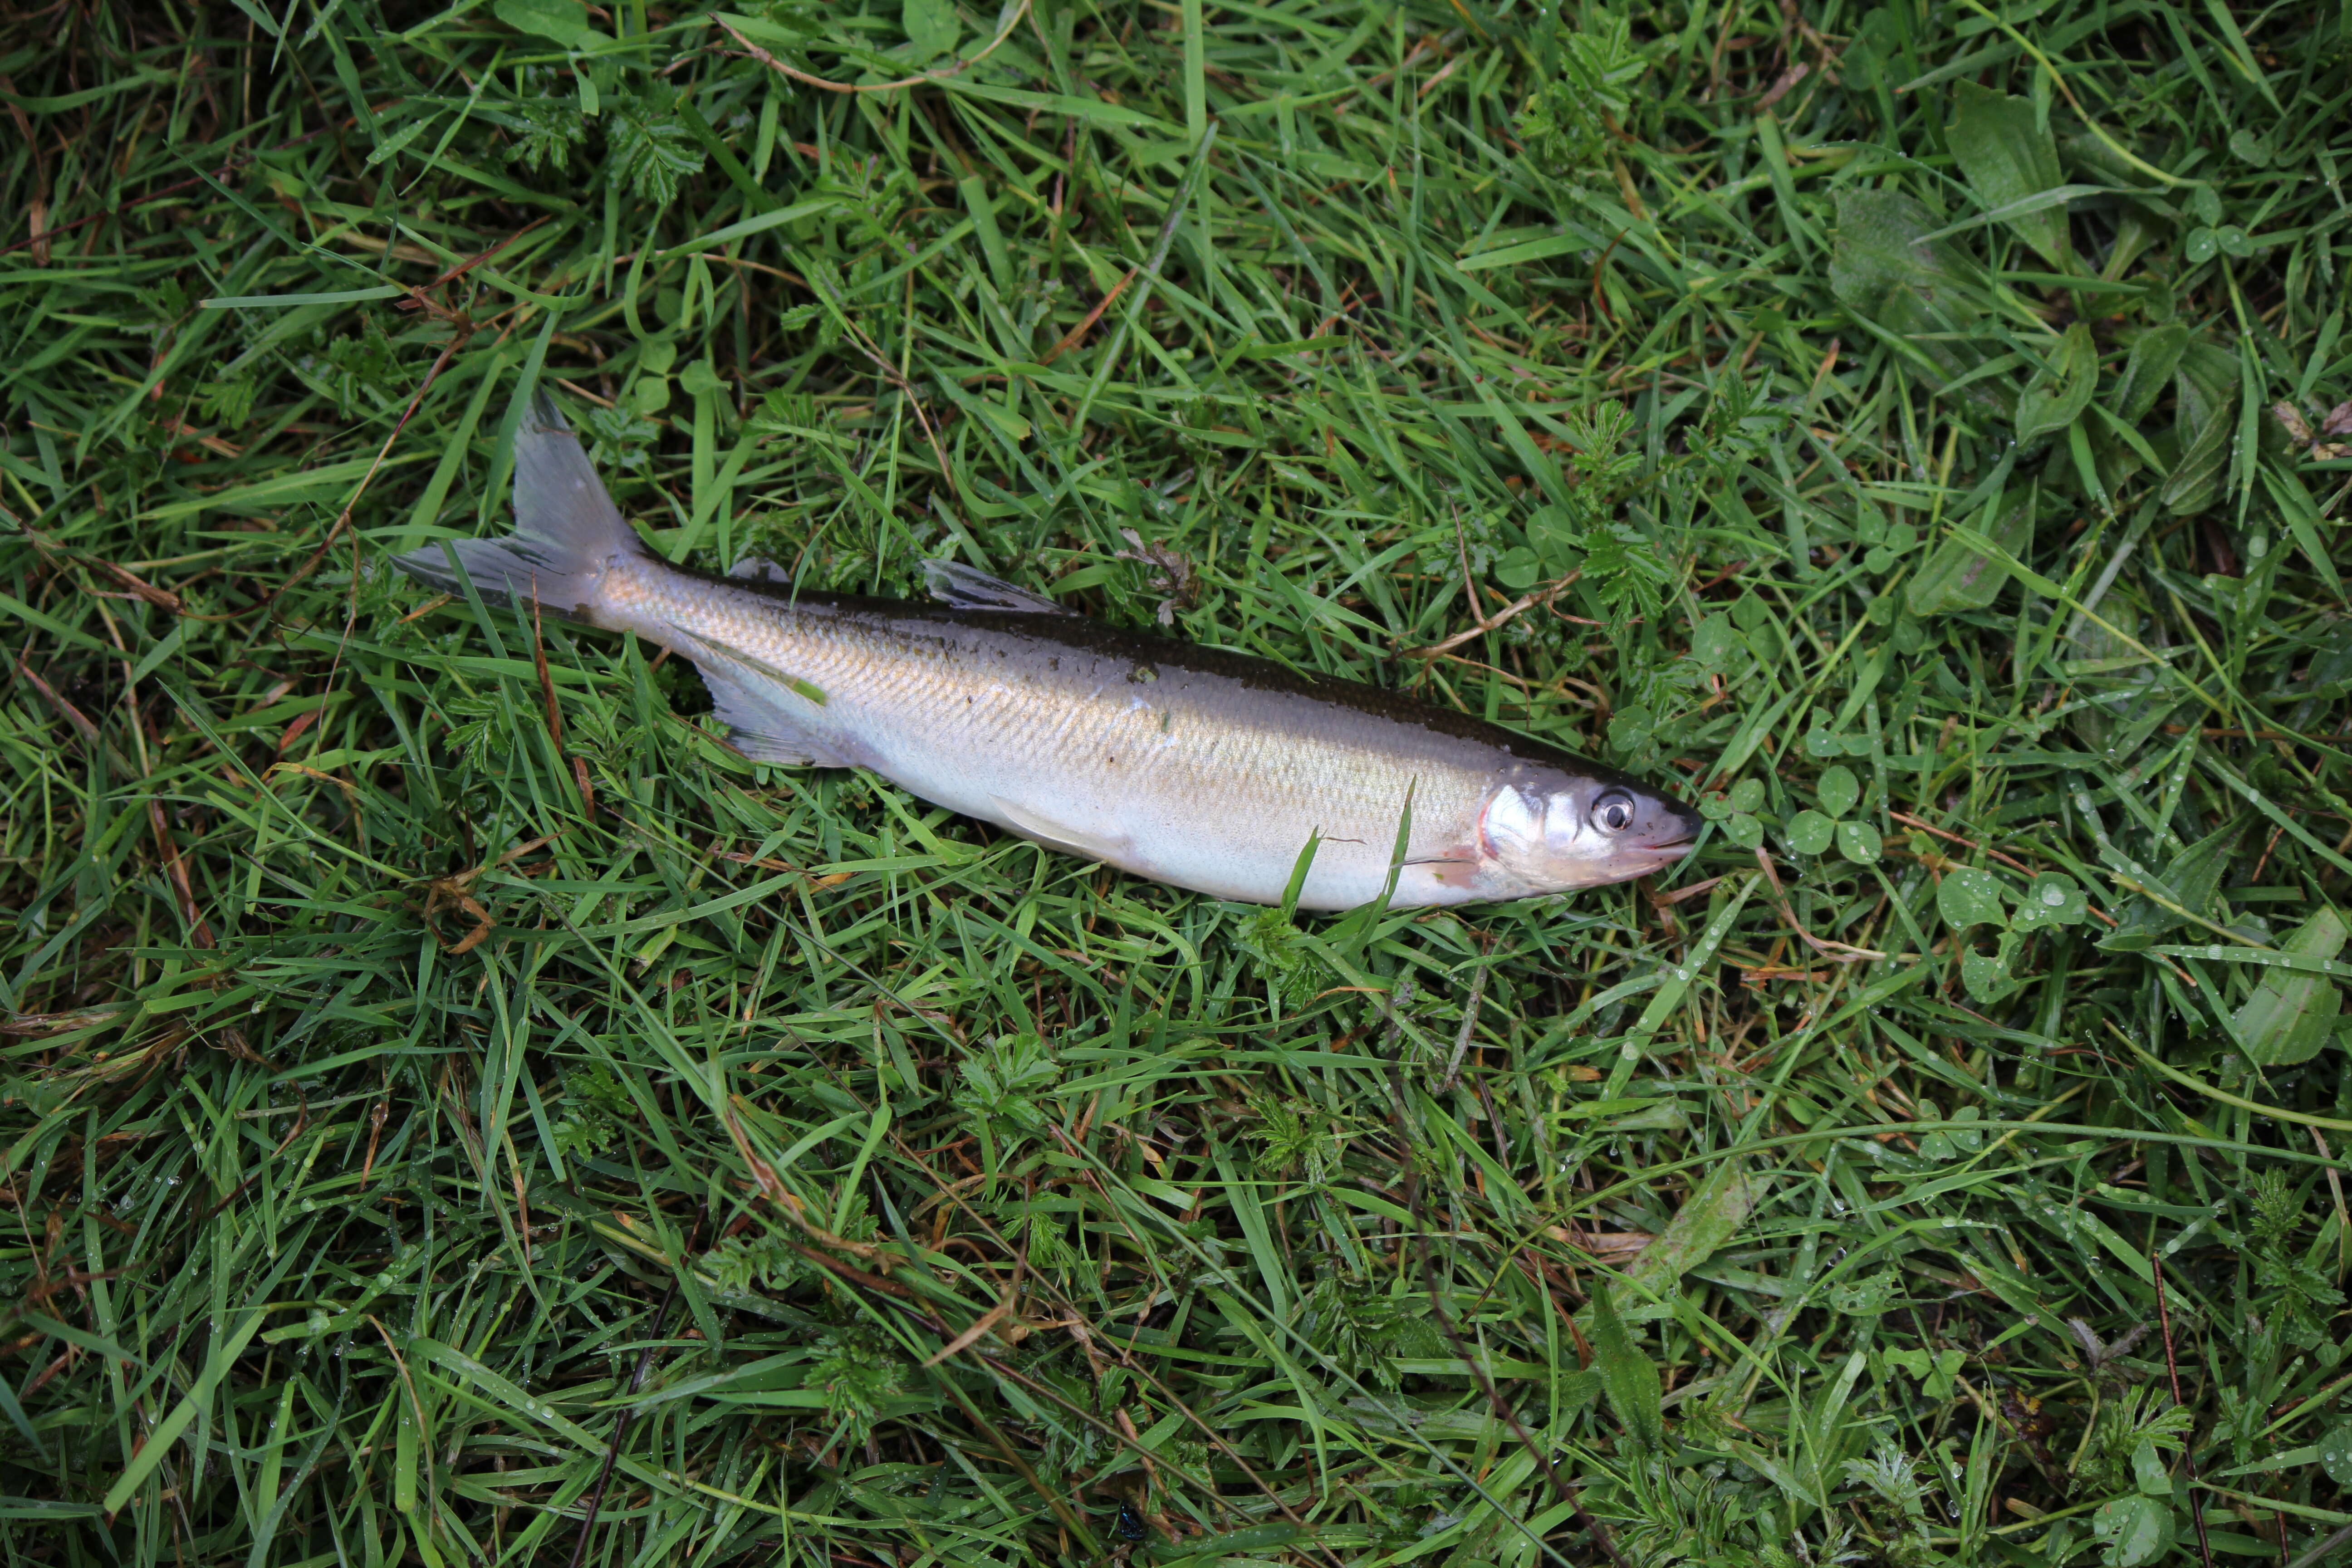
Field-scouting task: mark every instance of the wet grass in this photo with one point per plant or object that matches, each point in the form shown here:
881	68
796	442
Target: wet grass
454	1110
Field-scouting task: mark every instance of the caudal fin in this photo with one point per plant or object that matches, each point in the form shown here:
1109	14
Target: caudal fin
567	534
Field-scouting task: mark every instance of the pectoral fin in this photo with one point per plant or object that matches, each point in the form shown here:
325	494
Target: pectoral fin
770	712
761	728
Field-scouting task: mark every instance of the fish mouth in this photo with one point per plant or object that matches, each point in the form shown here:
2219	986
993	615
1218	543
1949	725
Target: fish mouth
1643	859
1685	831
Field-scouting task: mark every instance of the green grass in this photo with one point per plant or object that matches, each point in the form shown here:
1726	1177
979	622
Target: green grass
438	1074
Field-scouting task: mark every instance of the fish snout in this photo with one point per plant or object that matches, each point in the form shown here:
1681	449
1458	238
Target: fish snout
1664	833
1671	828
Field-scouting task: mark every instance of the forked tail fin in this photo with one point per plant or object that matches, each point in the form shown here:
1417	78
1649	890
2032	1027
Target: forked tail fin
567	531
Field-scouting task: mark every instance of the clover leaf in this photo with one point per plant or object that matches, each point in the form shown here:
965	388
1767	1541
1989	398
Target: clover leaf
2335	1453
1969	896
2135	1530
1737	811
1813	832
2054	900
1987	975
1809	832
1858	841
1837	791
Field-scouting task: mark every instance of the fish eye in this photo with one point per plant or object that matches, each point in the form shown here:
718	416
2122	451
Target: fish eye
1613	811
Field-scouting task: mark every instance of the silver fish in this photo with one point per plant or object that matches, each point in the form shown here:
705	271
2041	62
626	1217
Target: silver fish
1189	766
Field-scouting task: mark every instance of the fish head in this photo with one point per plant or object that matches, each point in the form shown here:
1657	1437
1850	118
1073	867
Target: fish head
1558	830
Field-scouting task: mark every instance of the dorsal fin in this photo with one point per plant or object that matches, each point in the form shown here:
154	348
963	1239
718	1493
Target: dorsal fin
757	569
968	588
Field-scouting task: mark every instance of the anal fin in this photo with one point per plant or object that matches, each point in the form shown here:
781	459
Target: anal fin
1059	835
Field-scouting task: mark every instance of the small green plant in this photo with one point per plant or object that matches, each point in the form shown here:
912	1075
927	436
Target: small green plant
1567	120
1295	1138
858	1372
1368	1329
547	132
1004	1083
1967	897
1292	971
2117	1450
592	1112
1736	809
754	1261
1618	567
650	149
1891	1477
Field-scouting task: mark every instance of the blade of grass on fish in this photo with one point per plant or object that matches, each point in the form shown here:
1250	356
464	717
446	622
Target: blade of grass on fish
1299	868
1349	933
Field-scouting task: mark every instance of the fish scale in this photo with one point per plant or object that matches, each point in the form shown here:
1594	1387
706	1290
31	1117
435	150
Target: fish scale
1193	765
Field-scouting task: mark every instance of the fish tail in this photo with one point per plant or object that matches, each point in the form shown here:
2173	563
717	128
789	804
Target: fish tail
568	533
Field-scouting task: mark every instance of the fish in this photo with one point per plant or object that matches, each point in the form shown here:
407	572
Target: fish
1195	766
